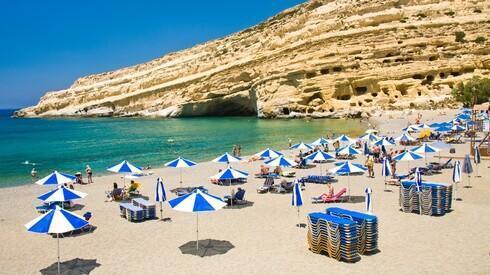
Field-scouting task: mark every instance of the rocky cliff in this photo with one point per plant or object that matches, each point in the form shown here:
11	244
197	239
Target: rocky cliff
321	58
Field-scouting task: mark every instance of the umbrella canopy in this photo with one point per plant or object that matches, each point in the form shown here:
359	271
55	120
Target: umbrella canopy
411	128
457	172
61	194
369	137
444	128
385	168
301	146
197	201
348	150
435	125
281	161
125	167
269	153
405	137
320	141
340	163
56	221
160	194
297	199
180	163
230	174
477	156
384	142
467	167
56	178
425	148
319	156
458	128
423	126
407	156
344	138
347	167
227	158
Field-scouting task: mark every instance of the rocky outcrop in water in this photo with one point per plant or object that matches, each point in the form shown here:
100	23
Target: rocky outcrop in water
320	59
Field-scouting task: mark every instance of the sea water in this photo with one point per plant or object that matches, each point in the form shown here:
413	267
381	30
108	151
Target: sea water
68	144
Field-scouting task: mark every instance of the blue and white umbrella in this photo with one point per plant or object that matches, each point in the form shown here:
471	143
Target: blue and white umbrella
56	178
348	150
443	129
477	158
180	163
125	167
269	153
301	146
425	149
458	128
456	176
467	168
281	161
297	197
435	125
340	163
405	137
369	200
423	126
61	194
385	169
384	142
321	141
160	195
370	137
227	158
197	201
319	156
228	175
345	139
408	156
411	128
56	221
347	168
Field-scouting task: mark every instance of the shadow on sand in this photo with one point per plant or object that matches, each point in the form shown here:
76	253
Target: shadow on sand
207	247
72	267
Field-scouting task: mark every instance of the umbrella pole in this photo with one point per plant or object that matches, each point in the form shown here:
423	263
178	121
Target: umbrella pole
321	169
231	195
180	172
385	182
197	231
161	210
299	224
58	241
348	183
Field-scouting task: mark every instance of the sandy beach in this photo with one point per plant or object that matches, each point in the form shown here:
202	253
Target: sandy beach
264	235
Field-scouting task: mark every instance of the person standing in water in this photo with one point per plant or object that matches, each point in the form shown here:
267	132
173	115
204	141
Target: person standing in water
88	170
33	174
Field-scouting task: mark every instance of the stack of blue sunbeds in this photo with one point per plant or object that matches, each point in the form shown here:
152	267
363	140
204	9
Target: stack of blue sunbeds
434	199
318	179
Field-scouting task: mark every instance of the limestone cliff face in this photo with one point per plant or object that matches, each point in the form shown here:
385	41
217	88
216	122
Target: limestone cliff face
321	58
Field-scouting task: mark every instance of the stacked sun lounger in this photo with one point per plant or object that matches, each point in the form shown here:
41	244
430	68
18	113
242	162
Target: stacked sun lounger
318	179
367	228
148	207
131	212
435	198
337	237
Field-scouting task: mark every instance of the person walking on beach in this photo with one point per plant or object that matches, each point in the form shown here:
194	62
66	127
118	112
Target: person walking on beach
234	150
370	166
239	150
89	174
290	142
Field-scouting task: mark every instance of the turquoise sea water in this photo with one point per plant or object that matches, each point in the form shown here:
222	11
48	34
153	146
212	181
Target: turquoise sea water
69	144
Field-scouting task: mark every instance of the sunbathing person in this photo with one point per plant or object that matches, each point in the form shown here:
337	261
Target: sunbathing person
115	194
277	170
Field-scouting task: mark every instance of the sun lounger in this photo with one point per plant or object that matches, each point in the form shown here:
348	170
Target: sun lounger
263	176
288	174
267	185
238	198
318	179
325	199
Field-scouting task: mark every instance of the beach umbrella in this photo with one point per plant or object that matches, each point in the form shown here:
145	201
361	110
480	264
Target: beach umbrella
423	126
320	156
435	125
456	176
425	149
302	146
384	142
348	150
385	169
405	137
269	153
125	167
180	163
458	128
320	141
61	194
197	201
281	161
418	185
411	128
56	178
160	195
56	221
227	158
443	129
297	198
369	137
368	200
345	139
340	163
477	158
408	156
347	168
230	174
467	168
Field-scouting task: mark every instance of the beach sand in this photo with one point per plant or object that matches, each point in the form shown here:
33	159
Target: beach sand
264	235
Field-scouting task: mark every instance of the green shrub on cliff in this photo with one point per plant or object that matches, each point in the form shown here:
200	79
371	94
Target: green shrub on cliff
474	91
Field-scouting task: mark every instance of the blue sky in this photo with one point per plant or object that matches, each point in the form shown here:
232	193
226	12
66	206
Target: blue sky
46	45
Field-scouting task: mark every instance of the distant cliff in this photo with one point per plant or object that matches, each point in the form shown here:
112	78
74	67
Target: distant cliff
321	58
